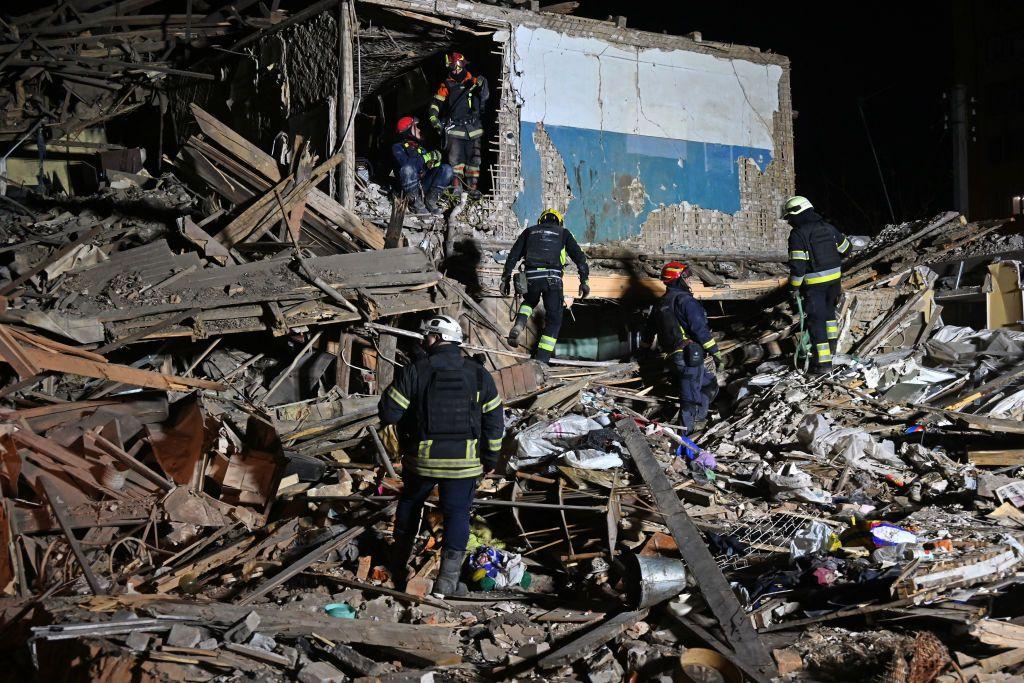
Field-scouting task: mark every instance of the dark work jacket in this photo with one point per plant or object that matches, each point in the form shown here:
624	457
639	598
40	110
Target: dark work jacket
816	250
463	102
410	152
556	253
690	316
402	404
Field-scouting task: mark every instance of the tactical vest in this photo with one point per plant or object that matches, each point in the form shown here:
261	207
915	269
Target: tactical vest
448	415
544	246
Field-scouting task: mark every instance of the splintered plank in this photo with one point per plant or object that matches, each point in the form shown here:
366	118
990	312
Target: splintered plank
713	585
117	373
12	352
256	159
58	505
591	640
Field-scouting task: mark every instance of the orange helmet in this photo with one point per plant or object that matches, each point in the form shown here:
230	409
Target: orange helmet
673	270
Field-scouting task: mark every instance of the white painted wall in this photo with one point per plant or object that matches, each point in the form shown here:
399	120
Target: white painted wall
589	83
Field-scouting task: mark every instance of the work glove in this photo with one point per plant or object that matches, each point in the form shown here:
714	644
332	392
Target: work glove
506	285
584	289
435	123
432	159
718	358
794	294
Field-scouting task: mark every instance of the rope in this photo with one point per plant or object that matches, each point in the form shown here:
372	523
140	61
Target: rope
803	342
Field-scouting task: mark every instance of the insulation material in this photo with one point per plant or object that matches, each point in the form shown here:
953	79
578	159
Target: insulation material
1004	302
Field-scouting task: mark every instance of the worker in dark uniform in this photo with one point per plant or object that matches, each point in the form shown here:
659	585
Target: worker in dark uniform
816	250
450	426
421	173
462	97
681	326
546	248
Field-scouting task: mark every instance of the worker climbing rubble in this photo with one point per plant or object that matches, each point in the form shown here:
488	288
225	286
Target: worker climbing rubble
681	326
422	175
816	250
450	423
458	104
545	248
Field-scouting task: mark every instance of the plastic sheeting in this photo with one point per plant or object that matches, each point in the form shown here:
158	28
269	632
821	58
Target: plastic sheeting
546	440
856	447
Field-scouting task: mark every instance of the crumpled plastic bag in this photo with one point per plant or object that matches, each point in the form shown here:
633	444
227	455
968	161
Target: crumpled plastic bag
790	483
545	440
816	537
853	444
592	459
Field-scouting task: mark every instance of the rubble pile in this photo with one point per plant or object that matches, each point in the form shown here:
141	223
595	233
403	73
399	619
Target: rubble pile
196	484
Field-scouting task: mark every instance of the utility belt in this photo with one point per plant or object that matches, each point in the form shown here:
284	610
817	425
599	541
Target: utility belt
537	273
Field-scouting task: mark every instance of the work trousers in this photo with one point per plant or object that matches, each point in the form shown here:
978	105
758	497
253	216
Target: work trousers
456	499
548	288
697	389
820	309
464	157
438	177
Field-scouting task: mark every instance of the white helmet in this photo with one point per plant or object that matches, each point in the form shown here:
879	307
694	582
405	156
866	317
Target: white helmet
444	326
795	205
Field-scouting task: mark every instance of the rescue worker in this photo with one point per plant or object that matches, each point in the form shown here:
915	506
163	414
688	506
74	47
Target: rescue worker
450	426
816	250
679	322
422	175
545	248
463	97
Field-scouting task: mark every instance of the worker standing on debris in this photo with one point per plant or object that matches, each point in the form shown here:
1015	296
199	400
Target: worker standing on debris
816	250
450	423
681	326
421	173
463	98
545	248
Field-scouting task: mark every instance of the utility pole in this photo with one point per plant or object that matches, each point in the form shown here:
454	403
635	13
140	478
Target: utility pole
959	119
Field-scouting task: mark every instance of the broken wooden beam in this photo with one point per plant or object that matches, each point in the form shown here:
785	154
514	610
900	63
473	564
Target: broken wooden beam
713	586
59	512
591	640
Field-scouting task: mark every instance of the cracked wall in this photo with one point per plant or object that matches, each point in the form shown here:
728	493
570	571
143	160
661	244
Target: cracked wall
672	149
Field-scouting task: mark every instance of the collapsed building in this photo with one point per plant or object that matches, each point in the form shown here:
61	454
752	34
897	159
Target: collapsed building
209	279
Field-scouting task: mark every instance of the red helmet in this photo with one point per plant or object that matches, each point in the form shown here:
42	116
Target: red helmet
456	61
673	270
405	123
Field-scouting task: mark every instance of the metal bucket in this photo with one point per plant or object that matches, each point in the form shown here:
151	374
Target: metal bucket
654	579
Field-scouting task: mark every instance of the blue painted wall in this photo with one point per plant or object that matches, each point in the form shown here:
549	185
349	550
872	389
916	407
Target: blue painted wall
601	165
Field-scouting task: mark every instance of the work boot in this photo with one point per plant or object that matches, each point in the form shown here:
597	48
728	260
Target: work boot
543	356
416	204
513	335
475	193
447	582
433	197
399	555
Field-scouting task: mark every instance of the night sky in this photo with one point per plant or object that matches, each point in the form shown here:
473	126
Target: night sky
895	58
